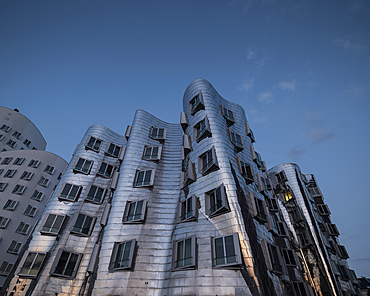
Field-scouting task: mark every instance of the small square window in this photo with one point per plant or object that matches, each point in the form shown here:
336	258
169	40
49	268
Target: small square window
10	205
281	177
95	194
10	173
17	135
332	228
134	212
202	130
52	224
122	255
5	268
66	264
37	195
18	160
43	182
32	264
226	251
228	114
183	253
196	104
113	150
14	247
19	189
26	176
216	202
144	178
27	143
83	166
4	222
188	209
7	160
70	192
11	143
289	257
34	163
22	228
237	140
158	133
82	224
93	144
3	186
30	211
188	175
315	192
246	170
152	152
49	169
5	128
323	209
208	162
106	170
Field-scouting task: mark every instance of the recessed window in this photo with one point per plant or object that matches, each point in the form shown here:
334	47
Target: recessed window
49	169
183	253
19	189
237	140
273	257
216	202
82	225
304	239
10	173
83	166
152	152
18	160
261	210
106	170
246	170
22	228
5	128
43	182
1	171
300	289
343	252
272	204
208	162
202	130
10	205
122	255
295	215
188	209
70	192
144	178
93	144
34	163
315	192
27	143
323	209
158	133
17	135
66	264
4	222
5	268
2	186
7	160
226	251
262	186
229	115
288	195
289	257
134	212
30	211
281	228
37	195
196	104
95	194
332	228
14	247
113	150
343	272
26	176
51	224
281	177
32	264
188	172
249	132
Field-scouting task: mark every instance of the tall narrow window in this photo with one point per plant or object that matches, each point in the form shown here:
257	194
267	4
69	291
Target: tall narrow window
93	144
122	256
70	192
188	210
134	212
184	253
196	104
66	264
83	166
52	224
32	264
226	251
237	140
202	130
246	170
229	115
2	186
208	162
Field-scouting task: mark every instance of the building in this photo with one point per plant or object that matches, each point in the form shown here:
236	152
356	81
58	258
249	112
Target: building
168	209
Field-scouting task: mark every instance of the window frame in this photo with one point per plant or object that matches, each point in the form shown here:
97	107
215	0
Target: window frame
141	219
14	247
10	173
27	143
239	146
290	257
26	176
44	182
19	189
17	135
210	166
152	157
196	104
73	189
7	160
18	161
314	191
58	259
34	265
236	249
34	163
151	181
22	228
304	239
247	175
281	177
104	172
273	259
6	269
113	154
93	146
10	205
130	259
49	169
188	175
323	209
4	222
30	211
230	120
91	198
11	143
249	132
58	230
5	128
222	208
332	229
3	186
82	168
200	133
73	228
156	136
187	208
176	253
37	195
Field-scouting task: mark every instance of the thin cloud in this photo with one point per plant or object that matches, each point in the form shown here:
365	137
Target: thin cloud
317	132
250	54
287	85
257	116
349	45
247	84
361	259
353	93
266	97
295	153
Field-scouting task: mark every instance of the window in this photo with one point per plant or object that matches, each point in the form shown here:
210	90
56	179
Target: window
37	195
82	224
26	175
304	239
52	224
19	189
49	169
43	182
281	177
332	228
343	252
66	264
34	163
246	170
5	128
216	202
83	166
158	133
3	222
237	140
10	205
228	114
95	194
144	178
261	210
152	152
315	192
134	212
208	162
289	257
7	160
272	204
22	228
226	251
183	253
188	209
14	247
188	172
122	255
273	257
19	160
27	143
261	184
323	209
343	272
202	130
17	135
300	289
30	211
32	264
2	186
296	215
5	268
249	132
106	170
196	104
113	150
93	144
10	173
70	192
281	228
288	195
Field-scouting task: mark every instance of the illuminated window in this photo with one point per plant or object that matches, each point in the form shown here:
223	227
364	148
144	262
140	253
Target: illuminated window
288	195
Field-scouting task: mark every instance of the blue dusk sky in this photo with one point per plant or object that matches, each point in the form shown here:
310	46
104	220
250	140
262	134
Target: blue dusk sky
300	69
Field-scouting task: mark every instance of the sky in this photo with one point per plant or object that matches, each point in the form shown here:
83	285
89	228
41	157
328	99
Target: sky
300	69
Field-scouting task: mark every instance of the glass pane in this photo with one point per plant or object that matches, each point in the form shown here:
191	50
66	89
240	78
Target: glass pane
188	256
219	249
49	222
57	224
66	189
74	191
131	211
28	263
230	250
79	222
71	264
37	264
147	177
86	226
180	254
60	268
139	206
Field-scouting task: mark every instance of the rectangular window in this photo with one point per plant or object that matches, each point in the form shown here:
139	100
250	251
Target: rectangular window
183	253
83	166
196	104
300	289
237	140
4	222
323	209
152	152
261	210
83	225
10	205
49	169
296	215
52	224
19	189
14	247
157	133
343	272
106	170
304	239
226	251
34	163
275	258
93	144
188	209
246	170
5	268
26	176
289	257
5	128
18	160
332	228
66	264
144	178
113	150
281	228
281	177
216	202
17	135
7	160
30	211
315	192
10	173
22	228
122	255
261	184
2	186
272	204
70	192
188	175
11	143
37	195
43	182
134	212
32	264
249	132
27	143
343	252
288	195
202	130
95	194
208	162
228	114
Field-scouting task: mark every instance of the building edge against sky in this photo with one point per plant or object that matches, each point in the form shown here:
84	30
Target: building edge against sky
183	209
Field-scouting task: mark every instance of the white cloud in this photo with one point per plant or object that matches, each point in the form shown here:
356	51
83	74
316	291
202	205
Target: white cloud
247	84
265	97
257	116
287	85
349	45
